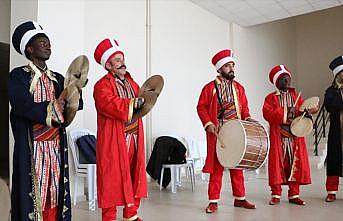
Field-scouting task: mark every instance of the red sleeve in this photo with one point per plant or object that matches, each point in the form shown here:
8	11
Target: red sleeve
244	104
272	112
111	105
204	105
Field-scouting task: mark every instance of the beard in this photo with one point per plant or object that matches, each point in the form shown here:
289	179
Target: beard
228	76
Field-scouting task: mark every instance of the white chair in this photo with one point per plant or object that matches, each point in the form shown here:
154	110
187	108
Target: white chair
175	174
197	151
83	170
175	169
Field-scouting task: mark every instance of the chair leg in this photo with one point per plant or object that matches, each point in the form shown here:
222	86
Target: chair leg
91	186
95	185
75	189
193	175
178	180
173	178
161	179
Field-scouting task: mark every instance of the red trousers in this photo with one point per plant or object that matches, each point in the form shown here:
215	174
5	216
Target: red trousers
294	187
49	214
215	184
293	190
332	184
129	212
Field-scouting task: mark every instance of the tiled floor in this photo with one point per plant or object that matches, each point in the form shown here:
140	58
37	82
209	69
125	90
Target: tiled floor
188	205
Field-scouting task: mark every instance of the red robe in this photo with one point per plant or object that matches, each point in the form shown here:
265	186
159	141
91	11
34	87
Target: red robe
115	186
207	111
276	115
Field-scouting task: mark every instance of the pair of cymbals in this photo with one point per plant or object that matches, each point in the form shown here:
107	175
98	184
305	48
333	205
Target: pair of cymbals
150	91
76	78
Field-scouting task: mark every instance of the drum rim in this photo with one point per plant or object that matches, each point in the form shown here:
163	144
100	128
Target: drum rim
245	139
268	146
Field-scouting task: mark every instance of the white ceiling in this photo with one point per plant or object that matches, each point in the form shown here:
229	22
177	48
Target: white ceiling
253	12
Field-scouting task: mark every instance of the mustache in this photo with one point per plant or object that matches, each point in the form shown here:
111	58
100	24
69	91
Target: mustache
121	66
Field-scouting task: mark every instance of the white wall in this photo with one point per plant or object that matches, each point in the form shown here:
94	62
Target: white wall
21	11
319	39
257	50
123	21
5	12
184	39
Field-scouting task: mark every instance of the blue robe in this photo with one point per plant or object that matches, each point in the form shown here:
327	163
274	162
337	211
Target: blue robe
24	114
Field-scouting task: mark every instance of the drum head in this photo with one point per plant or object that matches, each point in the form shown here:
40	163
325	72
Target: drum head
310	103
301	127
232	134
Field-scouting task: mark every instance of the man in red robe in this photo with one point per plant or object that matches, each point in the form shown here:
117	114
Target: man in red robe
121	176
287	160
221	100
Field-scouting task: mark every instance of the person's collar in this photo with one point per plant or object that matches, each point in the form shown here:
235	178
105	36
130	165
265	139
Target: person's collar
338	83
279	92
37	74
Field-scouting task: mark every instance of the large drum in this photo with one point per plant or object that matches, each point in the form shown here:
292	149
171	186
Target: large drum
242	144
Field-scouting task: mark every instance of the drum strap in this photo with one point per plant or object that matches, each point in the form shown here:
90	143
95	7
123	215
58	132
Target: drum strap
222	110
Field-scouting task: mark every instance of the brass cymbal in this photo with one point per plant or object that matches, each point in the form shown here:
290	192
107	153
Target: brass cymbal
150	91
77	72
72	97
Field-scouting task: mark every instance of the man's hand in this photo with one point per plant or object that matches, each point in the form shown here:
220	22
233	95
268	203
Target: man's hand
291	112
139	102
252	120
211	129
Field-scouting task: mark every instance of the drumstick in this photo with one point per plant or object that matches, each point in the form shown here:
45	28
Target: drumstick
302	116
296	101
220	140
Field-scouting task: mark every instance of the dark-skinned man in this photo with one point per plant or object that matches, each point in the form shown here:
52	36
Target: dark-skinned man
287	160
221	100
333	103
40	179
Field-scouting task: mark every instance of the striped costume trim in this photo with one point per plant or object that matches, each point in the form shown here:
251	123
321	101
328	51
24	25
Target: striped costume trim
227	109
125	90
287	139
46	146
